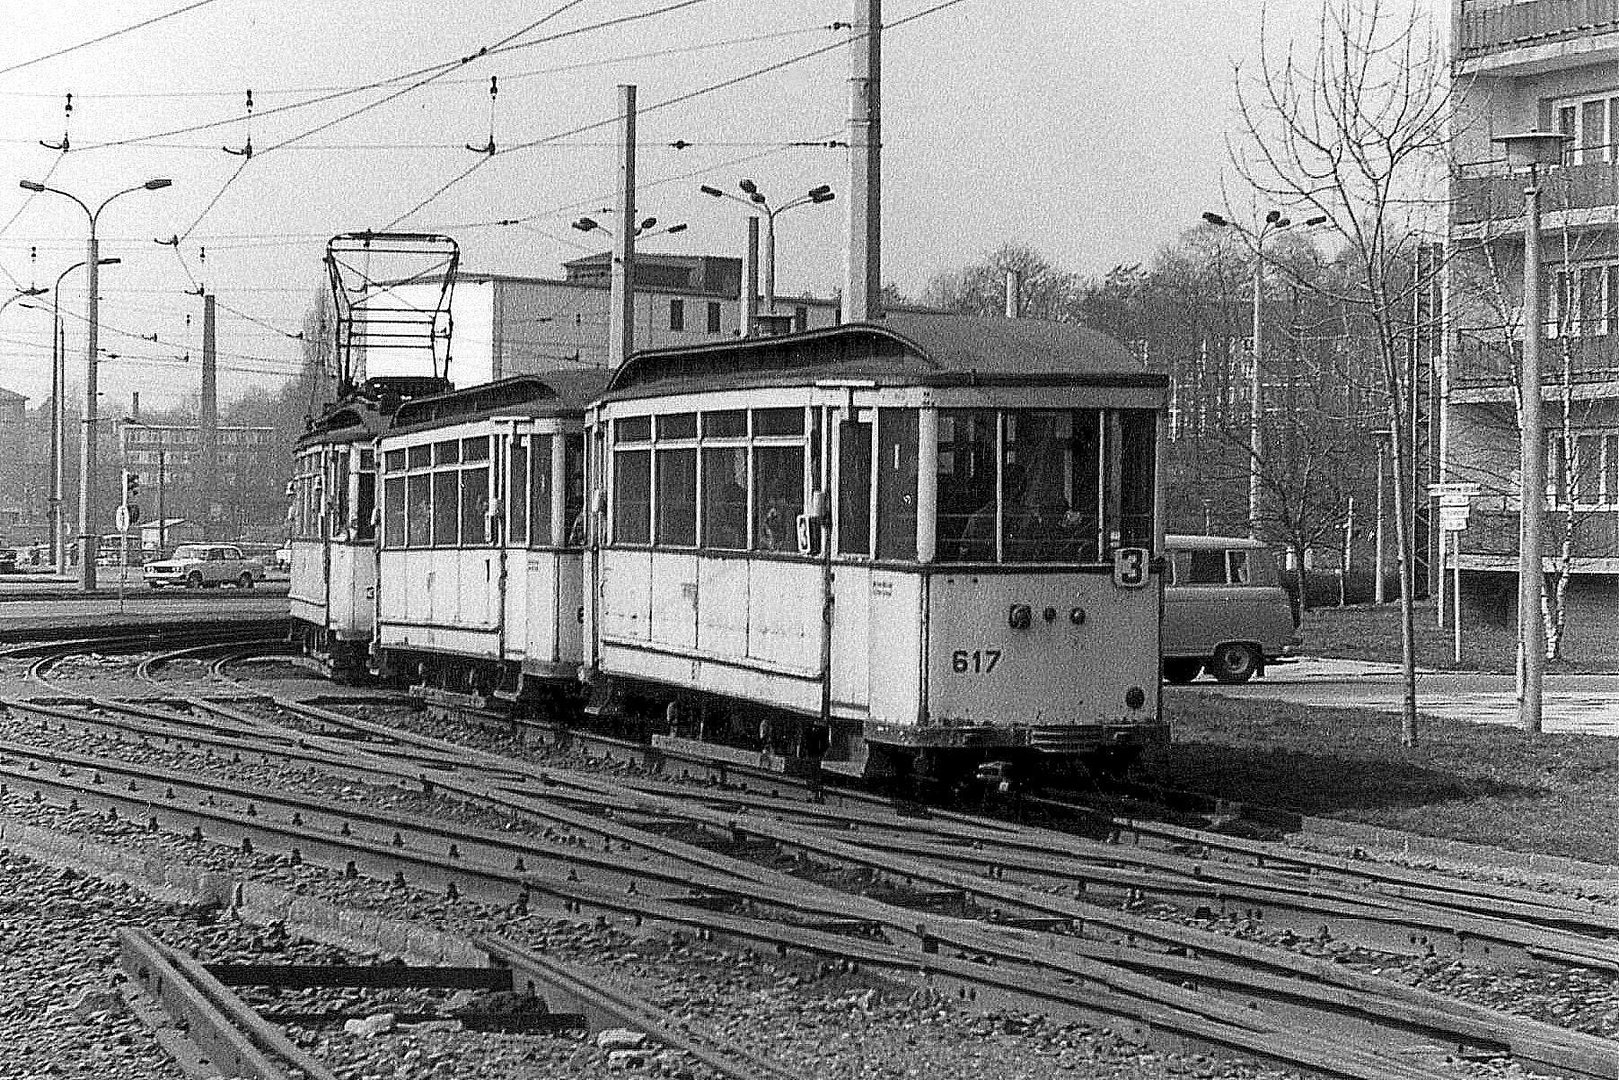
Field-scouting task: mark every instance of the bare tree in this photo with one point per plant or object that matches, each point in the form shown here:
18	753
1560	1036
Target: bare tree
1356	134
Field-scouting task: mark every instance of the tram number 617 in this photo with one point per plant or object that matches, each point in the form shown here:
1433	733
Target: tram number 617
976	662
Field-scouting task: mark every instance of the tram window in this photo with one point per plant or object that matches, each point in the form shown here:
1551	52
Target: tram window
395	460
677	426
966	486
539	493
475	449
573	488
517	492
1208	567
474	507
778	422
729	424
677	315
1239	567
1137	460
446	508
365	527
419	510
632	496
677	498
896	484
854	488
778	496
1038	478
419	457
632	429
446	453
725	498
340	489
393	512
817	475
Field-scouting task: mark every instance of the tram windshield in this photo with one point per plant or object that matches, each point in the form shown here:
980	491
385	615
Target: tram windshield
1043	485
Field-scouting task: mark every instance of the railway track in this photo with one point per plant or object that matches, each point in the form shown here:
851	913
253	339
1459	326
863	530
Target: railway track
990	910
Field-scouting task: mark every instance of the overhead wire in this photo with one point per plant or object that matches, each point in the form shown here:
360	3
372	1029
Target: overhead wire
106	37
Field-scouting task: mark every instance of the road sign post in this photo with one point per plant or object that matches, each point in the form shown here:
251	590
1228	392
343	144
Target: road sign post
1455	505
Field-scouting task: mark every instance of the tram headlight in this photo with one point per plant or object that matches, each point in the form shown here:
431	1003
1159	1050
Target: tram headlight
1135	697
1077	616
1019	617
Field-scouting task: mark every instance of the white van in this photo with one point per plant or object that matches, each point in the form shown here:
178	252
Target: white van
1225	611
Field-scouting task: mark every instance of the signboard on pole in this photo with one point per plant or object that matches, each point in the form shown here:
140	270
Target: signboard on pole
121	519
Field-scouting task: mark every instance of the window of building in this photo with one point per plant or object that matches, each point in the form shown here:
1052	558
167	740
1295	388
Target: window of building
677	314
1592	124
1583	301
800	318
713	316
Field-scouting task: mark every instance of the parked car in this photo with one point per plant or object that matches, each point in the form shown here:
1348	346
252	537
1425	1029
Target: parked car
1225	611
204	566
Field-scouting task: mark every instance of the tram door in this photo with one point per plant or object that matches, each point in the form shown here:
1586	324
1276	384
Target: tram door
851	553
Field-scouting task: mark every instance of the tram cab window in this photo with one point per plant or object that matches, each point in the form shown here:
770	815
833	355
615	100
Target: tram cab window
725	498
677	497
446	517
632	494
475	505
778	496
896	484
967	510
366	506
419	509
1048	476
393	512
1138	448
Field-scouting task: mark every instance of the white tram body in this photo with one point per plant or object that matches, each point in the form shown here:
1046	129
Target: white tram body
331	534
479	580
766	562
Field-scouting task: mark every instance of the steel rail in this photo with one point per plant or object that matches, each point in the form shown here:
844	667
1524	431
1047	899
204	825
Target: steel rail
230	1036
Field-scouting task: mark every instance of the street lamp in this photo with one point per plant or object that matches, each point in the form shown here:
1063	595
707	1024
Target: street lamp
1529	151
586	224
756	202
1274	222
89	535
59	418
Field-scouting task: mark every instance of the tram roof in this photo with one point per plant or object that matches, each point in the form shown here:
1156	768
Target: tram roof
552	394
354	420
904	349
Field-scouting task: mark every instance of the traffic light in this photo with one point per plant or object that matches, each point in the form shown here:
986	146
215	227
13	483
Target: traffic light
132	487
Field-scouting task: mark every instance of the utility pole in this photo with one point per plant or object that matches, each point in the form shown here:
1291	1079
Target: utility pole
89	530
1256	391
621	283
1013	293
208	433
862	286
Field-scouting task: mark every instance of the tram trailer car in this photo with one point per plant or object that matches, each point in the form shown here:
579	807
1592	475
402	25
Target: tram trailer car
931	543
480	551
332	529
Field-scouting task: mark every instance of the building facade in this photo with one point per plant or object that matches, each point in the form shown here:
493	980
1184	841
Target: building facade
504	325
1536	65
16	508
167	460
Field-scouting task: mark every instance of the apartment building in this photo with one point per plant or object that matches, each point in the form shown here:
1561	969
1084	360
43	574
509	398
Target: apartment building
1545	65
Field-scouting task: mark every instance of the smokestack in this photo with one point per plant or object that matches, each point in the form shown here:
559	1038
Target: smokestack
750	279
135	406
862	287
208	428
1012	291
621	285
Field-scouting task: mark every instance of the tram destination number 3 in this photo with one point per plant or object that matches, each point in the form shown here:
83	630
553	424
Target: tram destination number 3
975	662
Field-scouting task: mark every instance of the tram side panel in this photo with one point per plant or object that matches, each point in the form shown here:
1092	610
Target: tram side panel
352	582
306	590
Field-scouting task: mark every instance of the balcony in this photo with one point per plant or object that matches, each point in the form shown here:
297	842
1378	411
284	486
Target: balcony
1525	37
1491	537
1487	192
1482	366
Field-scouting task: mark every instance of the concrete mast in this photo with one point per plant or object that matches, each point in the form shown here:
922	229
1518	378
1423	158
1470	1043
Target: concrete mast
862	286
621	284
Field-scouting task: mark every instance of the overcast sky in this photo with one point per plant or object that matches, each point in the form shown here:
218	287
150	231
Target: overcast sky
1093	131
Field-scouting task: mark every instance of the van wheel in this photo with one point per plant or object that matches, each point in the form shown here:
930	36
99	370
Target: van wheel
1234	663
1181	672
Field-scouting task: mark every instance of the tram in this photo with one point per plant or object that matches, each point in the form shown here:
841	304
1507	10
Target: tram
928	544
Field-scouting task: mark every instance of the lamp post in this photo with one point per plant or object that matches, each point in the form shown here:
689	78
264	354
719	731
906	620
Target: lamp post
1274	222
88	532
59	418
757	202
1529	151
586	224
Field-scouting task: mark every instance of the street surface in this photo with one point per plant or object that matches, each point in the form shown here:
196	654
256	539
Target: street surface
1571	704
42	602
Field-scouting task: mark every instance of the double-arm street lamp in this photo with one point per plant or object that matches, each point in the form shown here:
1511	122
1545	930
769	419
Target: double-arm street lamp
89	532
758	203
587	224
1274	222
